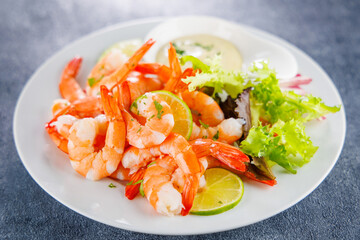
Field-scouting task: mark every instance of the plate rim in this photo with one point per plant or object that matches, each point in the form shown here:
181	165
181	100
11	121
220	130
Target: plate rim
154	20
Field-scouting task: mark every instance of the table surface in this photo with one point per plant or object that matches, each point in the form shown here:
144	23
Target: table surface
32	31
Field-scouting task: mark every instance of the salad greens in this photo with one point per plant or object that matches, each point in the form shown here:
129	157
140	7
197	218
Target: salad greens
278	132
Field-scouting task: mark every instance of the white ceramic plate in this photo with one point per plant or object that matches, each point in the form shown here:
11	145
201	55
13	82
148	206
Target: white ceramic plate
50	168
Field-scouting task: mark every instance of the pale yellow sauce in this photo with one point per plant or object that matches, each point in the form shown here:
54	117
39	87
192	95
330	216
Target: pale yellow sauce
204	46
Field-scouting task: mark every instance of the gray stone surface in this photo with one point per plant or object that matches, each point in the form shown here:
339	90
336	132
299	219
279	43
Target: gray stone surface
31	31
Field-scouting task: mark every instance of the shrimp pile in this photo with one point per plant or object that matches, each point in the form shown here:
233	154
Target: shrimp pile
113	128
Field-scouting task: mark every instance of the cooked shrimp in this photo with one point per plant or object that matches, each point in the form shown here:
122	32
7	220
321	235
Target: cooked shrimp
69	87
204	106
162	71
58	130
227	154
121	173
174	84
213	162
84	107
158	115
85	158
107	65
228	131
159	189
119	75
178	148
140	84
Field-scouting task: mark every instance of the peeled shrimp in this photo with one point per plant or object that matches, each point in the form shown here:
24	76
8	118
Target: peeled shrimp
69	88
180	150
158	187
158	115
205	106
107	65
228	131
120	74
96	162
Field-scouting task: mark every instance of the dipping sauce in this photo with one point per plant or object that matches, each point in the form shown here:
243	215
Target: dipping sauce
204	46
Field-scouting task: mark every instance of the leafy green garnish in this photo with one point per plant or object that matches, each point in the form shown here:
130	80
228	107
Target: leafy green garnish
141	189
134	183
152	163
216	136
206	126
215	76
111	185
93	81
178	50
206	47
284	143
158	108
197	63
271	104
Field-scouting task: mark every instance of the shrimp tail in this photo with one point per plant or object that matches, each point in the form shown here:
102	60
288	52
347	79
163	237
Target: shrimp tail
69	87
174	82
227	154
60	141
120	75
132	189
124	96
162	71
111	109
189	191
252	176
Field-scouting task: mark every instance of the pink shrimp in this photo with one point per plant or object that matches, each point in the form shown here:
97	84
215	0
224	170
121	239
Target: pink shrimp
158	115
162	71
180	150
120	75
204	106
227	154
98	162
69	88
158	187
213	162
228	131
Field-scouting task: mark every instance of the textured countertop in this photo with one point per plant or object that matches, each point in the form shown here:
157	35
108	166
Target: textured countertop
32	31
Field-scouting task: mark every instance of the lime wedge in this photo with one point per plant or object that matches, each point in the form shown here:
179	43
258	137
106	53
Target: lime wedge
127	47
182	114
223	191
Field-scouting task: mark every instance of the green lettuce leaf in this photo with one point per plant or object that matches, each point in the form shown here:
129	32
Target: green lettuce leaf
271	104
284	143
213	75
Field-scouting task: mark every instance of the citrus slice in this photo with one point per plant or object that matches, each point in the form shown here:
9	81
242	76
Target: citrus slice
223	191
182	114
127	47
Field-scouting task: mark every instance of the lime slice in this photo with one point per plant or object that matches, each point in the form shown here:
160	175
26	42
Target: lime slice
182	114
223	191
127	47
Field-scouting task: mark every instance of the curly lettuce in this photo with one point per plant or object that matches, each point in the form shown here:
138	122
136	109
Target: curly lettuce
272	104
213	75
284	143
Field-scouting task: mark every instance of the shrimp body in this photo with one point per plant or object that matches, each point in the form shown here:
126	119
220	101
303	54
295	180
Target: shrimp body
120	74
205	106
228	131
177	147
158	187
69	88
106	66
158	115
140	84
96	162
